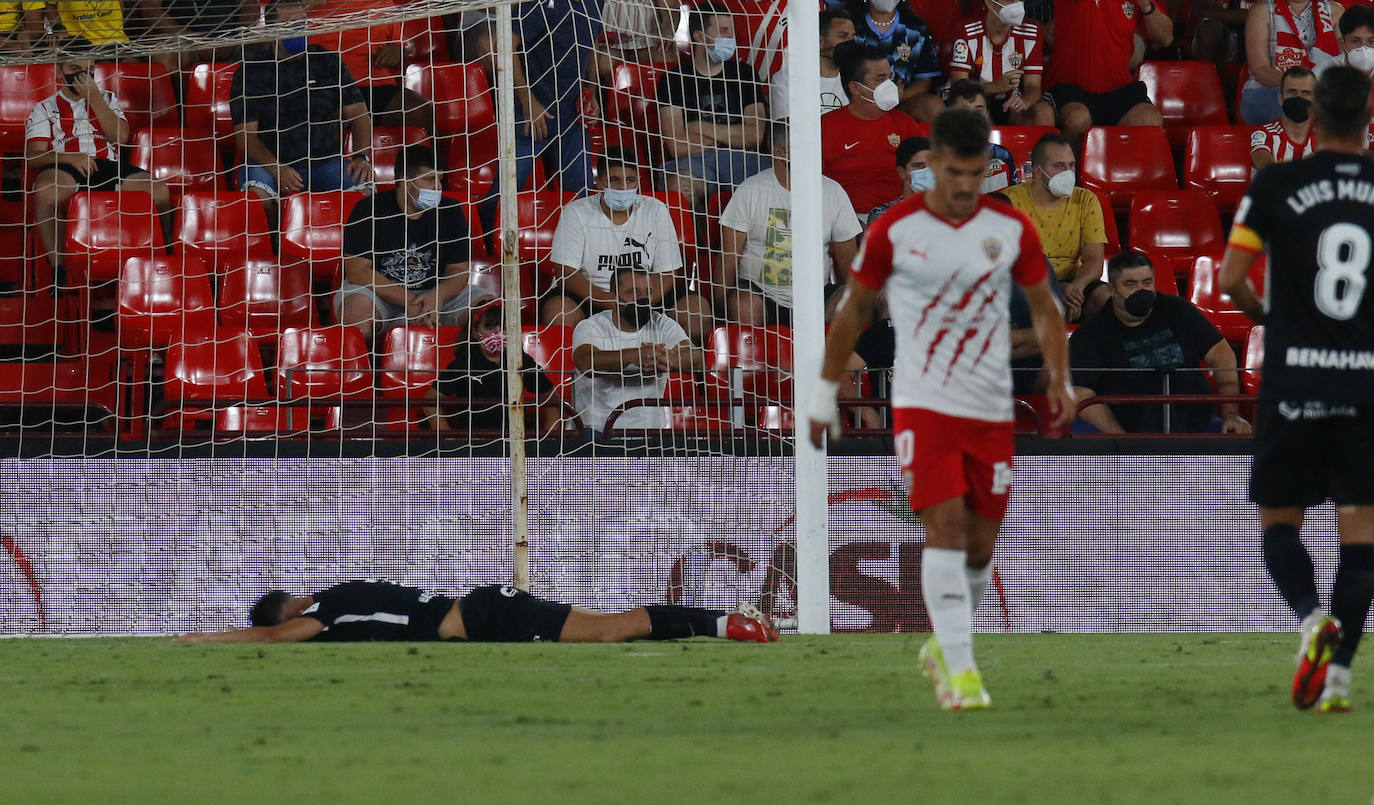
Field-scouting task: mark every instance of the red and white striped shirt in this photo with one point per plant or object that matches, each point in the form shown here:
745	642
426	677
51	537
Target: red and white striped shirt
761	29
948	287
975	54
68	127
1272	138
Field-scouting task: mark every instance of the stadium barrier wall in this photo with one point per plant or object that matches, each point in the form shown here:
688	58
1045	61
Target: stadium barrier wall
1112	543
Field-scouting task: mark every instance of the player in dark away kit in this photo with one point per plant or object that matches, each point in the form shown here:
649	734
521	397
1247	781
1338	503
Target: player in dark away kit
1314	438
382	610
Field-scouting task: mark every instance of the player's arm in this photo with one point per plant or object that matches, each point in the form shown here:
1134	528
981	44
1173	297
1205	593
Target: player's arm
1242	249
1054	347
852	316
1222	360
292	631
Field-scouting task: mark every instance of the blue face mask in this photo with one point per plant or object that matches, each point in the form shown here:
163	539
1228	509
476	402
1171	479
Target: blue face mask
294	44
428	198
922	179
619	200
723	49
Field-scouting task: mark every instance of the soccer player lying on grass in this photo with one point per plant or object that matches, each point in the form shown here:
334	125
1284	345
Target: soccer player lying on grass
383	610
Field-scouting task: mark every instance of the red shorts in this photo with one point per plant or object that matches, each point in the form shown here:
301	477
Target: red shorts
945	457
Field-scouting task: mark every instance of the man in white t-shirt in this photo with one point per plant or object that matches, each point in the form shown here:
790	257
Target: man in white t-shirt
756	240
625	353
616	228
837	27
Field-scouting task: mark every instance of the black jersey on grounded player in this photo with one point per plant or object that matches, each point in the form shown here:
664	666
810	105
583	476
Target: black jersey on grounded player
1315	217
377	610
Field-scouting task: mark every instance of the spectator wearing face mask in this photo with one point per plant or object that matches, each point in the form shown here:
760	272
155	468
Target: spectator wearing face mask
1280	34
1291	136
1069	222
1004	53
625	353
905	41
405	253
1357	41
859	142
836	28
913	161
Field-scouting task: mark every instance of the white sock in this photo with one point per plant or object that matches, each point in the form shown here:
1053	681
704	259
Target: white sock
722	623
977	584
946	593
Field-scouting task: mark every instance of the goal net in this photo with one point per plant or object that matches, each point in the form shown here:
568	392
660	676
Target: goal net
305	292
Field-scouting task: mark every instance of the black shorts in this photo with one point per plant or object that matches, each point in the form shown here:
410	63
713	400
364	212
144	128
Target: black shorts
106	176
500	614
1308	452
379	97
1107	108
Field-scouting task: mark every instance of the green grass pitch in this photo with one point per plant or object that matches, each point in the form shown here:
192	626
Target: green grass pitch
1077	719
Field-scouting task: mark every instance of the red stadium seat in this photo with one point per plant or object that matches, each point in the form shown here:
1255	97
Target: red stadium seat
179	158
1121	160
715	205
22	86
1208	297
412	357
1178	224
551	348
220	228
1187	94
684	221
1165	281
212	369
32	319
1216	161
106	228
60	395
1254	360
1109	223
207	98
478	180
1019	140
266	299
462	101
312	227
323	363
386	142
252	419
425	39
537	217
144	90
162	298
632	100
764	354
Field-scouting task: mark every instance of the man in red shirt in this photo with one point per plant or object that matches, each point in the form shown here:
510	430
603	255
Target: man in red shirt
859	141
1090	75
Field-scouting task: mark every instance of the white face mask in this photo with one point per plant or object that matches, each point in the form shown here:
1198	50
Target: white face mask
1012	13
921	179
886	96
428	198
1361	58
885	6
1061	184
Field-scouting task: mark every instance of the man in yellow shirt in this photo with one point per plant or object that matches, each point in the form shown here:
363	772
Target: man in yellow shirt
100	21
1069	222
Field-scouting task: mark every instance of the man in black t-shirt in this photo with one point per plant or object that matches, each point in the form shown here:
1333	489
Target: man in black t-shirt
406	253
1160	332
289	103
360	611
1315	435
712	112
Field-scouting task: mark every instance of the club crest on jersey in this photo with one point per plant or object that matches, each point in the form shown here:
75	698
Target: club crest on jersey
992	247
904	52
1128	8
894	140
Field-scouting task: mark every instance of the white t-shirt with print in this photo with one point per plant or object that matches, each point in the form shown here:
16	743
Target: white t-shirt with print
832	94
597	394
762	208
587	239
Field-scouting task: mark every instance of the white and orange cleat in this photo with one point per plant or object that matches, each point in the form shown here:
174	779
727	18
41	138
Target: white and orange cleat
748	624
1321	633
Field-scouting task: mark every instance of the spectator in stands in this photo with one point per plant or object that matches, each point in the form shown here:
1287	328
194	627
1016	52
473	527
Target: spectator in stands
635	32
1291	136
625	353
1070	223
377	56
1219	36
100	22
618	226
906	43
859	142
1001	170
206	19
836	28
1144	330
405	253
475	376
1280	34
712	112
755	277
288	102
20	29
1004	53
913	168
555	44
74	141
1091	83
1357	41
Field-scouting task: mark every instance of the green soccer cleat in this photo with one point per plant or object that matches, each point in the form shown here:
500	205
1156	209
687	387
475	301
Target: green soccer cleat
1336	693
1320	635
933	667
969	693
1334	703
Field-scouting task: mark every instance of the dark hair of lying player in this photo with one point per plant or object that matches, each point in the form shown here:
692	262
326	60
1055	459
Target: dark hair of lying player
270	609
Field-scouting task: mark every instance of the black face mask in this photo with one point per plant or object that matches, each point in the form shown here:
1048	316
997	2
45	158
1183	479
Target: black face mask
637	313
70	78
1297	109
1140	303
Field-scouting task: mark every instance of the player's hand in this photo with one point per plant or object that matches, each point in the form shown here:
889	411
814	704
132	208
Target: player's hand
1063	406
84	163
824	414
288	179
360	170
537	127
1235	423
388	56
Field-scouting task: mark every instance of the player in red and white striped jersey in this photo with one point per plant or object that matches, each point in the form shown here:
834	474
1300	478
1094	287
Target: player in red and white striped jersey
1004	53
1291	136
72	143
947	258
